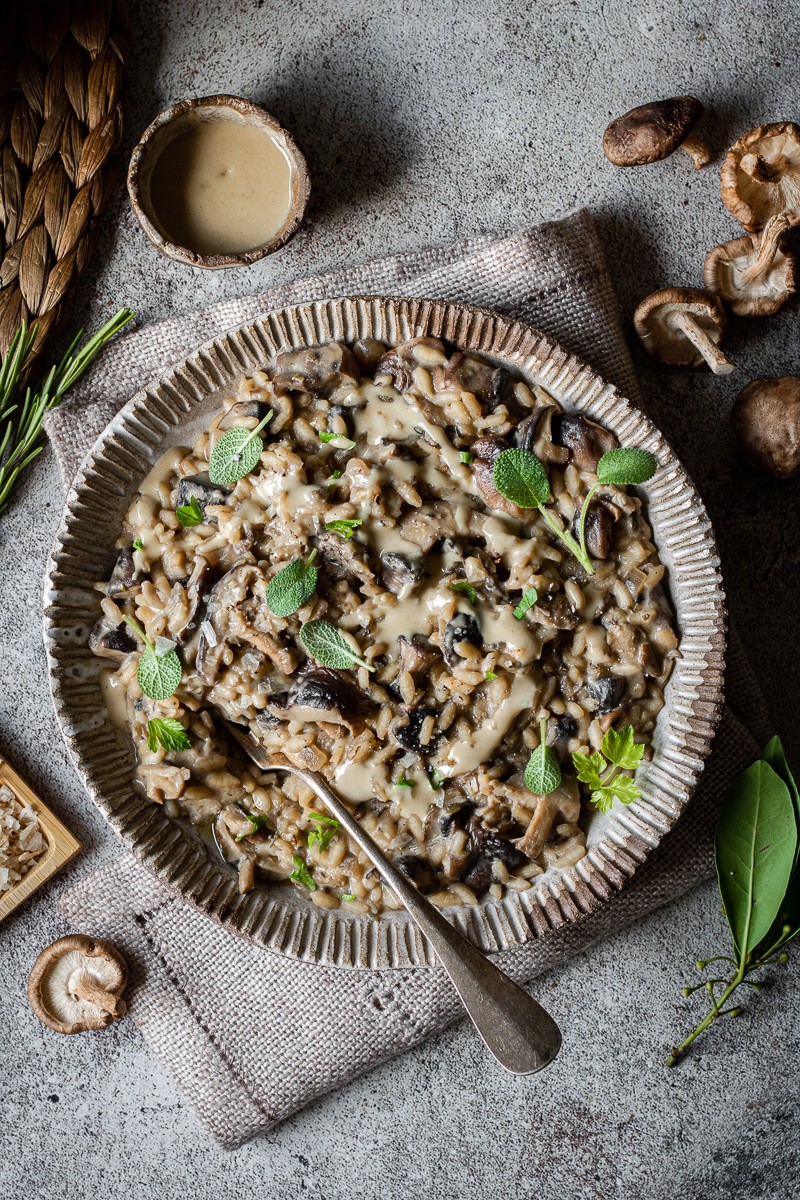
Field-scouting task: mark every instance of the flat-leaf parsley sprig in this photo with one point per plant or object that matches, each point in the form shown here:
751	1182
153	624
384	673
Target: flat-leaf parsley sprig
324	831
757	854
603	770
236	454
168	733
159	671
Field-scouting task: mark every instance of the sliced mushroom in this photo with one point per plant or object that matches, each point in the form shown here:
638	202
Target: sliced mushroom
244	415
77	984
607	691
418	871
598	529
401	362
766	425
323	370
321	694
368	353
109	641
489	384
683	328
198	592
560	730
462	628
416	654
760	176
202	490
754	274
409	735
535	433
486	450
399	573
585	440
565	800
123	577
231	590
653	131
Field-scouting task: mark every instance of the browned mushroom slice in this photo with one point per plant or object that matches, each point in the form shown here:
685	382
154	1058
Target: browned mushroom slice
766	425
123	580
585	440
77	984
598	529
201	489
462	628
198	592
108	641
683	328
760	176
401	362
322	694
231	590
489	384
755	275
368	353
322	370
244	415
400	573
486	451
564	800
416	654
654	131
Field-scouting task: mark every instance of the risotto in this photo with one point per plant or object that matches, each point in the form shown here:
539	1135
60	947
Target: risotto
465	622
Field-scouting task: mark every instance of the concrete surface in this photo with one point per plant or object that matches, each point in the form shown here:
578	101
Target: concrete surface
422	123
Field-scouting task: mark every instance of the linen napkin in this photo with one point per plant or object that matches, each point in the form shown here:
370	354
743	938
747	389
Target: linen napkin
198	991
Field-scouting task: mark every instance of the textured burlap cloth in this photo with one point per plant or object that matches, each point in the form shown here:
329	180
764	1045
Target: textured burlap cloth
229	1020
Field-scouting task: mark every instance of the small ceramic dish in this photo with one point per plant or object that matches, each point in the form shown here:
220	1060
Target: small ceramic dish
183	118
172	412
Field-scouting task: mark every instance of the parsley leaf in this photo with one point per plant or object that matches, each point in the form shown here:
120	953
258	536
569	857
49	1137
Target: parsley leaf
138	545
621	750
403	782
436	779
258	822
325	643
338	440
325	831
167	732
190	514
466	588
528	600
466	457
589	768
236	454
345	527
347	896
301	873
489	676
292	587
542	774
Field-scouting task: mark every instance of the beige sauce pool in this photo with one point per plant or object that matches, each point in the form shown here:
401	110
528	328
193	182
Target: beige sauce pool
221	188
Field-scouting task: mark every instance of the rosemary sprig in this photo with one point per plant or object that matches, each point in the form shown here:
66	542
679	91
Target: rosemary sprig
21	416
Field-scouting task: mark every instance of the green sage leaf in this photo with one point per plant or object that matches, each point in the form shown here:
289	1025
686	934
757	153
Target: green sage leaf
292	587
158	675
626	466
542	774
754	849
521	478
236	454
325	643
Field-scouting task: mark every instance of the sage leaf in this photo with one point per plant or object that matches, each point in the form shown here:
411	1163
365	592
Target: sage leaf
520	477
755	845
158	675
325	643
624	467
292	587
542	774
236	454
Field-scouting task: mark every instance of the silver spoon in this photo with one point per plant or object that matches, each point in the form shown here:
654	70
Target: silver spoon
519	1033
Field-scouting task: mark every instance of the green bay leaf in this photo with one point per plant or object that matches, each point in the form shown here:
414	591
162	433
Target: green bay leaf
755	846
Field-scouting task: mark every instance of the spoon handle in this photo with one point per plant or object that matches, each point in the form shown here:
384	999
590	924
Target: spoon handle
521	1035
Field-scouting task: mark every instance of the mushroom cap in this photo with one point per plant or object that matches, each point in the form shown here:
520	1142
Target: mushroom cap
730	272
766	425
760	176
77	961
655	322
650	132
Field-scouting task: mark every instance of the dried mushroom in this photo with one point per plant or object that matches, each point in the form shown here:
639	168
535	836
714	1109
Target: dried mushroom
760	176
77	984
766	425
683	327
754	274
654	131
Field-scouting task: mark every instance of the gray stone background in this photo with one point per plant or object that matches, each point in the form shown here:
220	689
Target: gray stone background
423	123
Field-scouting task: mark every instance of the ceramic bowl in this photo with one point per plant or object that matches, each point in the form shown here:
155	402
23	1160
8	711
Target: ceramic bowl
278	916
181	118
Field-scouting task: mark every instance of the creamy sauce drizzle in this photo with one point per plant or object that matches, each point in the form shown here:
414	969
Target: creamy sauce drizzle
222	187
480	747
114	698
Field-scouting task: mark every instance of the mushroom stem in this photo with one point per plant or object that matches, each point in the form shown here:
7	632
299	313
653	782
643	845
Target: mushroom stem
760	170
697	150
719	363
85	988
768	246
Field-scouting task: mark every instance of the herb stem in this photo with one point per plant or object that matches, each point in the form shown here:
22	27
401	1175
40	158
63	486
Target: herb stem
568	540
136	627
584	515
254	433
